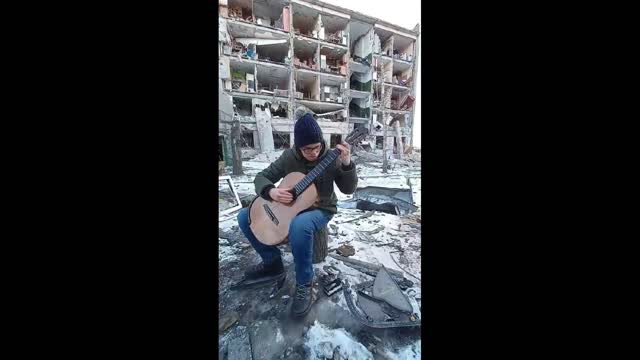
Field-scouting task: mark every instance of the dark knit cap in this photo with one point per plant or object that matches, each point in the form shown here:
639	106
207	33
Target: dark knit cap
306	131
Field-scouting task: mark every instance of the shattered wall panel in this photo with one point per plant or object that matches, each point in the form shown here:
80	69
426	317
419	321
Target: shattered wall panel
360	108
361	81
364	47
223	34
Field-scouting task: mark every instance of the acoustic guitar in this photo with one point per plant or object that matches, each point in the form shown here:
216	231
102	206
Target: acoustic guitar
270	220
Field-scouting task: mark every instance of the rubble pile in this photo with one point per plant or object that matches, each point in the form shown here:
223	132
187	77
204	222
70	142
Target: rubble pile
353	300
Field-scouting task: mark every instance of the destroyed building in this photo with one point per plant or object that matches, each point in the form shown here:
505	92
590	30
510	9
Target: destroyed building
350	69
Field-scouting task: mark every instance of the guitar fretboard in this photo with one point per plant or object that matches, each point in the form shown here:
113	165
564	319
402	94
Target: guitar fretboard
313	174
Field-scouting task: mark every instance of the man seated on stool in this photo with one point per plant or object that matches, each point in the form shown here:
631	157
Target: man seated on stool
309	150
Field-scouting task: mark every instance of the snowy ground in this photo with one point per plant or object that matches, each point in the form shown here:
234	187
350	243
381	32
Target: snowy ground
390	240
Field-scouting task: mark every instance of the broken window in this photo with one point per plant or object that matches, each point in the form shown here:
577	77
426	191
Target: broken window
399	98
403	48
361	41
307	86
242	77
275	51
241	10
228	199
360	108
312	23
331	89
272	80
247	139
402	73
306	54
333	60
242	106
272	13
281	140
360	82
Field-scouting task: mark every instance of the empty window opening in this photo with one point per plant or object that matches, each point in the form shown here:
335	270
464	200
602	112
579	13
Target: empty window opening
360	82
382	42
360	108
242	77
305	54
360	42
272	81
247	139
242	106
271	13
307	87
333	61
310	22
240	10
274	53
403	48
379	142
331	89
281	140
402	73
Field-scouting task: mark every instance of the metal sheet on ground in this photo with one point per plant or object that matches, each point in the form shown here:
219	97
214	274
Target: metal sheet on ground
384	288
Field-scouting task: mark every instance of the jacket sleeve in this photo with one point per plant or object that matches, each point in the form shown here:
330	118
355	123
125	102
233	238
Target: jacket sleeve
347	178
273	173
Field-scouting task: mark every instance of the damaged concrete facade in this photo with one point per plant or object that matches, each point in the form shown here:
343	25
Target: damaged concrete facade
350	69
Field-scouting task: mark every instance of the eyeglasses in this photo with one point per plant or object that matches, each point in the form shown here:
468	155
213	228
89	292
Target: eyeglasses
311	150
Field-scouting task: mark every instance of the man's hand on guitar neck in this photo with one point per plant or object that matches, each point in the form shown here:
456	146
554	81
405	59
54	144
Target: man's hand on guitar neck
345	153
281	195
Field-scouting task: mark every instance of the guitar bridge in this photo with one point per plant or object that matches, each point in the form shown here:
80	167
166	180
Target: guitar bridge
271	215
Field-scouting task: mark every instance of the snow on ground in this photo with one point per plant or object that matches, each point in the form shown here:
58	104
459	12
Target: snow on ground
394	242
409	352
322	342
226	252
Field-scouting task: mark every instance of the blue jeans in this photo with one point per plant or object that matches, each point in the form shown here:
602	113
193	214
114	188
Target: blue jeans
301	233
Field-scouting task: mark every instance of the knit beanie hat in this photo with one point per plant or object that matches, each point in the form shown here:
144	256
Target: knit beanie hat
306	131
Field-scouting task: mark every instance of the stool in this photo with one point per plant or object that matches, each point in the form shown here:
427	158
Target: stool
320	245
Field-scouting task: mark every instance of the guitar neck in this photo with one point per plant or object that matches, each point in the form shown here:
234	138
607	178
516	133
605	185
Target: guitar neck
319	169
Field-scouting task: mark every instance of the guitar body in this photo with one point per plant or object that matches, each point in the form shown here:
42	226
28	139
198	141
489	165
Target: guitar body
270	220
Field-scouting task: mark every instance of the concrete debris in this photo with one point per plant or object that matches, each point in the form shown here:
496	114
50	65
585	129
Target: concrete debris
384	288
365	266
366	215
271	334
267	340
239	346
346	250
227	320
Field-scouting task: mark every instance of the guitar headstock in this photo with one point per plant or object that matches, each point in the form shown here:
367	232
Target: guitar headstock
357	135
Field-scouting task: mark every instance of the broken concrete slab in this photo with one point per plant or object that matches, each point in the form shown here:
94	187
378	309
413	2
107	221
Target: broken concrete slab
371	309
366	266
385	288
227	321
239	345
267	340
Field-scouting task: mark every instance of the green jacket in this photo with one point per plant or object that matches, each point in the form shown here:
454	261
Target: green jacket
292	160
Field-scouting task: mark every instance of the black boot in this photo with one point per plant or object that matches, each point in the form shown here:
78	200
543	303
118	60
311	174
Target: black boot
302	300
265	271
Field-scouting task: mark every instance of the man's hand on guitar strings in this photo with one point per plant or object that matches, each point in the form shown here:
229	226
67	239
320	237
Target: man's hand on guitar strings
345	153
281	195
